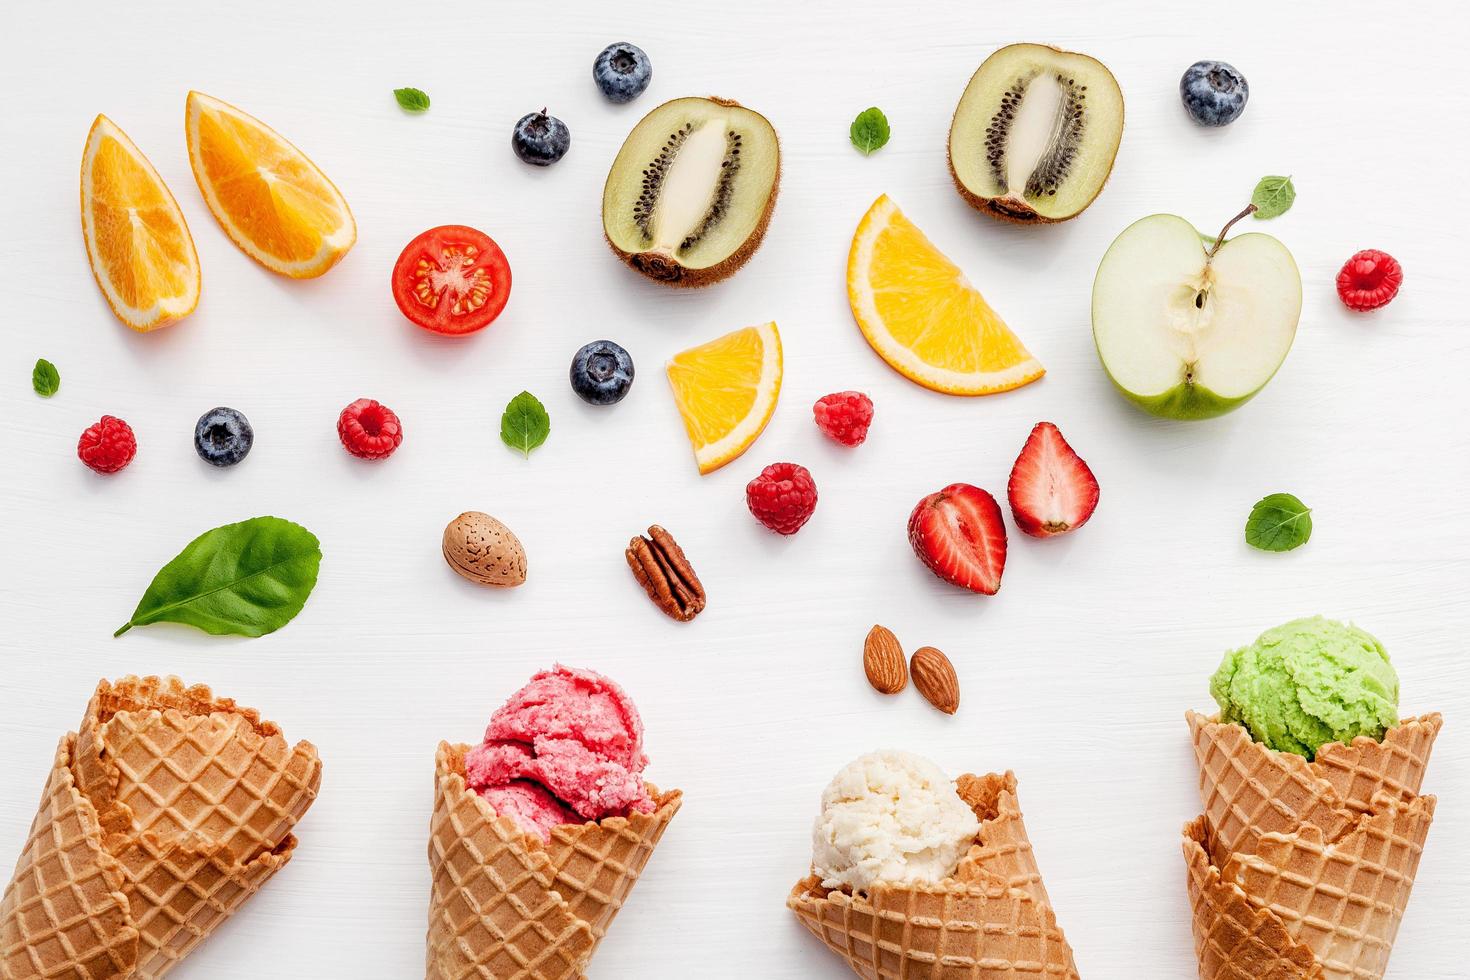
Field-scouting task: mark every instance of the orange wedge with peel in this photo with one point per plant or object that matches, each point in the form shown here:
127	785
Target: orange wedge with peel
138	243
272	201
726	391
923	317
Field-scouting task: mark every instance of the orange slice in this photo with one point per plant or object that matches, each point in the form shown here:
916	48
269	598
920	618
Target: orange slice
923	317
269	198
137	241
726	391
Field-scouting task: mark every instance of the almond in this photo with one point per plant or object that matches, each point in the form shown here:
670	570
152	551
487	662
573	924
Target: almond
883	661
934	677
485	551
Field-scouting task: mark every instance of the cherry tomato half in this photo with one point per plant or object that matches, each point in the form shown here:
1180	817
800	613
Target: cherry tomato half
452	280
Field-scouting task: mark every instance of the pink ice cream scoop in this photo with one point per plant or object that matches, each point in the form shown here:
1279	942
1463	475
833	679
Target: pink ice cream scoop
533	809
572	736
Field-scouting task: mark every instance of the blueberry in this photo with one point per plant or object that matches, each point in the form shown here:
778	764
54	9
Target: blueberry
540	139
602	373
622	71
1214	93
223	437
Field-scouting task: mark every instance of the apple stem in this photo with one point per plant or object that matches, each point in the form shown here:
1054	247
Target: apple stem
1249	208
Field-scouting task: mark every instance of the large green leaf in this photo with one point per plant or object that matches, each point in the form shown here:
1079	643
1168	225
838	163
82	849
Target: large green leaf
247	579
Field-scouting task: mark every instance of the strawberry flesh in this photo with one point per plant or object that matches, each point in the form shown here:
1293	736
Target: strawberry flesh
1052	491
960	534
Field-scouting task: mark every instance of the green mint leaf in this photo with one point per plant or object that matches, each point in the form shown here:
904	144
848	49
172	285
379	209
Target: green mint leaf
525	424
246	579
412	99
1273	196
45	378
1278	522
869	130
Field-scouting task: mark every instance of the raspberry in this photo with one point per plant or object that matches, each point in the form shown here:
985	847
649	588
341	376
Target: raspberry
369	430
845	416
782	497
1369	279
108	445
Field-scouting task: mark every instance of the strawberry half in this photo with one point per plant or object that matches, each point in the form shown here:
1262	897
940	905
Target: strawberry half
1052	491
959	533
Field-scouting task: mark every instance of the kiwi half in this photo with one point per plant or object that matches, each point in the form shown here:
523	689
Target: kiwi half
1034	136
691	191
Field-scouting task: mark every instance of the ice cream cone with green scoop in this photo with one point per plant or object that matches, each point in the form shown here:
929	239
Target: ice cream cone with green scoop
1302	862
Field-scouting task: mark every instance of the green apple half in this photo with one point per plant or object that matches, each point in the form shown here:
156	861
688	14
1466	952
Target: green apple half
1191	327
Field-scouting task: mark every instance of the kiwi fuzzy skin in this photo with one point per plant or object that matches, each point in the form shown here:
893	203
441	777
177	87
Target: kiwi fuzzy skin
1012	211
670	273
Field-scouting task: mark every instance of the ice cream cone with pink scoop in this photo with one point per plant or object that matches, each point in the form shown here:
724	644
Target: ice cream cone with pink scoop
540	832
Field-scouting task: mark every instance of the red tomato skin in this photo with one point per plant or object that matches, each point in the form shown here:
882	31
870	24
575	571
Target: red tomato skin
490	269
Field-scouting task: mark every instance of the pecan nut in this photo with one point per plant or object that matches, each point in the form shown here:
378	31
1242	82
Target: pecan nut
659	565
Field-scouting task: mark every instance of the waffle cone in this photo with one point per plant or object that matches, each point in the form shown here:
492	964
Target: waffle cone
160	818
1247	789
505	906
1303	869
991	921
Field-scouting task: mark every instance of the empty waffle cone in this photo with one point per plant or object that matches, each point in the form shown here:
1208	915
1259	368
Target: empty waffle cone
1312	872
505	906
991	921
161	817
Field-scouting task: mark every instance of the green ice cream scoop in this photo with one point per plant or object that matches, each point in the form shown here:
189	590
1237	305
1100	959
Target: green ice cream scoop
1306	683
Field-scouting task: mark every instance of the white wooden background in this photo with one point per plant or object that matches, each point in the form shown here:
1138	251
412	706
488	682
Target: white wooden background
1077	675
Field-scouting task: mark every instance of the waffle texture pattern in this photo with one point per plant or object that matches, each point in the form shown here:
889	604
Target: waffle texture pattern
161	816
1302	870
991	921
505	906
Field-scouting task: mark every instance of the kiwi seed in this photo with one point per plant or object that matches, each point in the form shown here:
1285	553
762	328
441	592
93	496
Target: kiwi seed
1052	167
